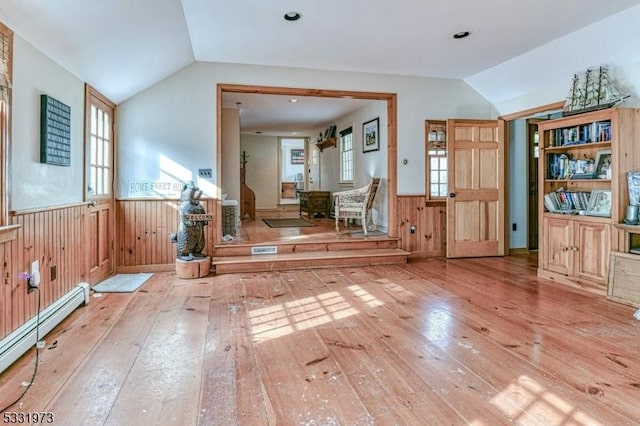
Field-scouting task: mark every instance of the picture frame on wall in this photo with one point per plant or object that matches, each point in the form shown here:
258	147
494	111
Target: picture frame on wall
371	135
297	156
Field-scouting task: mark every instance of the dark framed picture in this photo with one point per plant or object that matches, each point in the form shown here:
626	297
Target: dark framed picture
297	156
371	135
603	164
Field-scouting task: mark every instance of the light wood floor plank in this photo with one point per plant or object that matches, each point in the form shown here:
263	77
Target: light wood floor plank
434	341
95	387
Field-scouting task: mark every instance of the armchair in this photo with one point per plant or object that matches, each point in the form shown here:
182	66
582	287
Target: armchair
356	204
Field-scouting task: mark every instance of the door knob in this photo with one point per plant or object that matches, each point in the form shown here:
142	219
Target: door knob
452	195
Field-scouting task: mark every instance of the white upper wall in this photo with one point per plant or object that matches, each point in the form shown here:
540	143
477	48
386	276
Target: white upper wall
543	75
34	184
174	122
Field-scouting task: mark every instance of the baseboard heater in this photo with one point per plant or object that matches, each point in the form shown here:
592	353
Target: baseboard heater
21	340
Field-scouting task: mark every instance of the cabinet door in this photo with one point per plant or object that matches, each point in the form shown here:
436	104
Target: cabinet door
557	248
592	247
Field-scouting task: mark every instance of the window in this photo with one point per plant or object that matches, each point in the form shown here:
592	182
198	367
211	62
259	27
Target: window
6	73
346	155
100	114
436	159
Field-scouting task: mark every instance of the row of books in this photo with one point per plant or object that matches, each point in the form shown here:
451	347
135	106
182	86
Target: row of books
598	131
566	202
594	203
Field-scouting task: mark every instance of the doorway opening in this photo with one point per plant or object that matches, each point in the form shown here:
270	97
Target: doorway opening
311	158
292	167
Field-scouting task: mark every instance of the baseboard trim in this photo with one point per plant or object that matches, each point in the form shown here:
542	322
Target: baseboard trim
163	267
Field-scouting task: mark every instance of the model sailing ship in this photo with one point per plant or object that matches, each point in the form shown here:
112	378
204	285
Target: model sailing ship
592	91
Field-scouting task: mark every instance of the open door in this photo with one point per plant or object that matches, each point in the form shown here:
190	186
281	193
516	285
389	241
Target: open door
99	131
532	171
476	203
313	168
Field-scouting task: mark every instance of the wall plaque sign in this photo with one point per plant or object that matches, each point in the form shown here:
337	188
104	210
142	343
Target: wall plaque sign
55	132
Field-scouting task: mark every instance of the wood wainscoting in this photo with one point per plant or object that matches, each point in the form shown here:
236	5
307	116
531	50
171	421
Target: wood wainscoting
54	236
430	221
143	229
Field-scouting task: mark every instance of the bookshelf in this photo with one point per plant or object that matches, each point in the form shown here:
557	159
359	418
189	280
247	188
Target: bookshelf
584	161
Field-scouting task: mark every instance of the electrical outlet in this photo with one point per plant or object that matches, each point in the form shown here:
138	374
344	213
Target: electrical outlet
53	272
34	279
514	226
205	173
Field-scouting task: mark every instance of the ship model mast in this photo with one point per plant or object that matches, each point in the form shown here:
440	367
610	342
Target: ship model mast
592	91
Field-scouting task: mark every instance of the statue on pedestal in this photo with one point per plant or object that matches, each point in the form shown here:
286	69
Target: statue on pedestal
190	236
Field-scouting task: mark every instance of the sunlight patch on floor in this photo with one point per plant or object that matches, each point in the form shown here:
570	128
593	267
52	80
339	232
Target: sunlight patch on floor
280	320
365	296
533	399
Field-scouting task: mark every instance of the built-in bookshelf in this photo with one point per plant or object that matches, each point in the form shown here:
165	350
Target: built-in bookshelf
583	165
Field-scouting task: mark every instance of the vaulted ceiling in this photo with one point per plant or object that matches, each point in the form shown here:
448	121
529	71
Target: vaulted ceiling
124	46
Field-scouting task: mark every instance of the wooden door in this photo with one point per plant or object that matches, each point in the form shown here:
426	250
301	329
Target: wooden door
476	203
557	251
313	168
591	247
532	159
99	139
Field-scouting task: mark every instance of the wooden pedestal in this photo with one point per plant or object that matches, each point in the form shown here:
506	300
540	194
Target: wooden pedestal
196	268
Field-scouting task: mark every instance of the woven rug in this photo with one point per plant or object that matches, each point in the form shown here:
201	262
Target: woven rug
293	222
121	283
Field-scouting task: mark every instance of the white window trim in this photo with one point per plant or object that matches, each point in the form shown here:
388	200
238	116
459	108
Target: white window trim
341	182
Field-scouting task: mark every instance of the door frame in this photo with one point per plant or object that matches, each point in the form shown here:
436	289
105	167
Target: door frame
98	203
508	118
392	154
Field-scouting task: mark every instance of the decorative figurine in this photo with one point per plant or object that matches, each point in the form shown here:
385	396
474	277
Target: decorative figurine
190	236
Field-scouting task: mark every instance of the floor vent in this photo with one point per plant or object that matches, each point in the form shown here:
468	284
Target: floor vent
21	340
264	250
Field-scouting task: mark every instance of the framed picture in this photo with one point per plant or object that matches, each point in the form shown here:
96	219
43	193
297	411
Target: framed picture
599	203
603	164
297	156
371	135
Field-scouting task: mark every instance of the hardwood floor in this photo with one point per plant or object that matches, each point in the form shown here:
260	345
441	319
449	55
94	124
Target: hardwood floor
431	342
256	231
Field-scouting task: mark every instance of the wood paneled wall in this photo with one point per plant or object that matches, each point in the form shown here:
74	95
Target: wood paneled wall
55	237
430	221
143	228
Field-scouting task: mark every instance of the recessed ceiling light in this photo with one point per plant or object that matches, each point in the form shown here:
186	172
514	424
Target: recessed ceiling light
293	100
292	16
294	133
461	34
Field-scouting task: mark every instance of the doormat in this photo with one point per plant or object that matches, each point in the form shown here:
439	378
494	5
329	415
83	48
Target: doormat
121	283
293	222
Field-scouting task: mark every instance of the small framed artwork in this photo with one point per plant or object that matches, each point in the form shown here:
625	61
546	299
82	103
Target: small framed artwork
603	164
599	203
371	135
297	156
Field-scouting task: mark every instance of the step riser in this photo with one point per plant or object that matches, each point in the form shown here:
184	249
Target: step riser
288	264
245	250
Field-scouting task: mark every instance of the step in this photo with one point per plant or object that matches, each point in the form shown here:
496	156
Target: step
225	250
308	260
